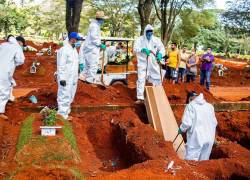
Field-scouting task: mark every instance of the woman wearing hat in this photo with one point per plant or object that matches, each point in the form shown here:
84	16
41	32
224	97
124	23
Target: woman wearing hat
200	123
92	46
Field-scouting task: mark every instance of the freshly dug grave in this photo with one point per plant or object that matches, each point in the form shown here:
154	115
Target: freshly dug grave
111	141
235	126
138	143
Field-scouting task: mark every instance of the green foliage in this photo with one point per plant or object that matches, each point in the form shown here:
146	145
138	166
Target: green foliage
77	174
49	116
69	135
25	133
214	38
123	18
12	18
236	17
191	23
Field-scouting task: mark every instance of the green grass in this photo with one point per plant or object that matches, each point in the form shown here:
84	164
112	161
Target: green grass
69	135
25	132
56	156
77	174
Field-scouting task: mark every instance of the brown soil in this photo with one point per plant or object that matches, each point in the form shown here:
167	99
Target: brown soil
235	76
120	144
235	126
40	46
231	93
45	173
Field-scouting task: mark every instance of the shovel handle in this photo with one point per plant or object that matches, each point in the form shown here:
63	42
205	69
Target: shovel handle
179	145
102	79
175	137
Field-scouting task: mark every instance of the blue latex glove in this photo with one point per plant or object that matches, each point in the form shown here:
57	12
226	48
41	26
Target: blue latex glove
158	56
179	131
146	51
81	67
103	46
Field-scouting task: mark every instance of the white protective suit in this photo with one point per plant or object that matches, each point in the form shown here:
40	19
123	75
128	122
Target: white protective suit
67	69
153	69
200	123
91	51
11	55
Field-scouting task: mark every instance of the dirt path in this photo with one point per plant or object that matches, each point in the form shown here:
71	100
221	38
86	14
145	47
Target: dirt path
230	93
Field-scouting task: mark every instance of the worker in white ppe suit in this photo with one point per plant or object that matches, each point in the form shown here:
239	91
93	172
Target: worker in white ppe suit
149	50
200	123
92	46
82	66
21	41
11	55
67	75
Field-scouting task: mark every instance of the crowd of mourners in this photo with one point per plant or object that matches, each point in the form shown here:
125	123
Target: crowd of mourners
181	66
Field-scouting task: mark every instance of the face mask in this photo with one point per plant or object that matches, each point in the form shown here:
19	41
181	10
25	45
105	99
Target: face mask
100	21
149	35
77	44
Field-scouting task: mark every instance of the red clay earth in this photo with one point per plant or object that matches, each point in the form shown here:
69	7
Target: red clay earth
231	93
236	76
117	144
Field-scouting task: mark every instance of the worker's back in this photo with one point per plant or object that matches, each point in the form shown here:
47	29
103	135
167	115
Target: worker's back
10	55
203	122
93	38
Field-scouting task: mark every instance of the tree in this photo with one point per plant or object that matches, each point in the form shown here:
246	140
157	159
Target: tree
121	16
73	13
11	18
145	10
190	23
168	11
237	17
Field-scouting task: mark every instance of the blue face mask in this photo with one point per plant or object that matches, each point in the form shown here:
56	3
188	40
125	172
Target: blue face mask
100	21
77	44
149	35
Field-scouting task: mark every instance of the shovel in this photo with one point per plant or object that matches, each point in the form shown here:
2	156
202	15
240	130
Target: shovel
179	144
103	86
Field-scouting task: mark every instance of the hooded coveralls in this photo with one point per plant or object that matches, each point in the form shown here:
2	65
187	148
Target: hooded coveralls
200	123
153	69
91	51
11	55
67	70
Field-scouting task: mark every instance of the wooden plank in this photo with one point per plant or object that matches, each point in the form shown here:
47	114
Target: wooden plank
152	113
162	117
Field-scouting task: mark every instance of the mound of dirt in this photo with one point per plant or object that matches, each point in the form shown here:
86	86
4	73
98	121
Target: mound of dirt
246	99
44	173
177	93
